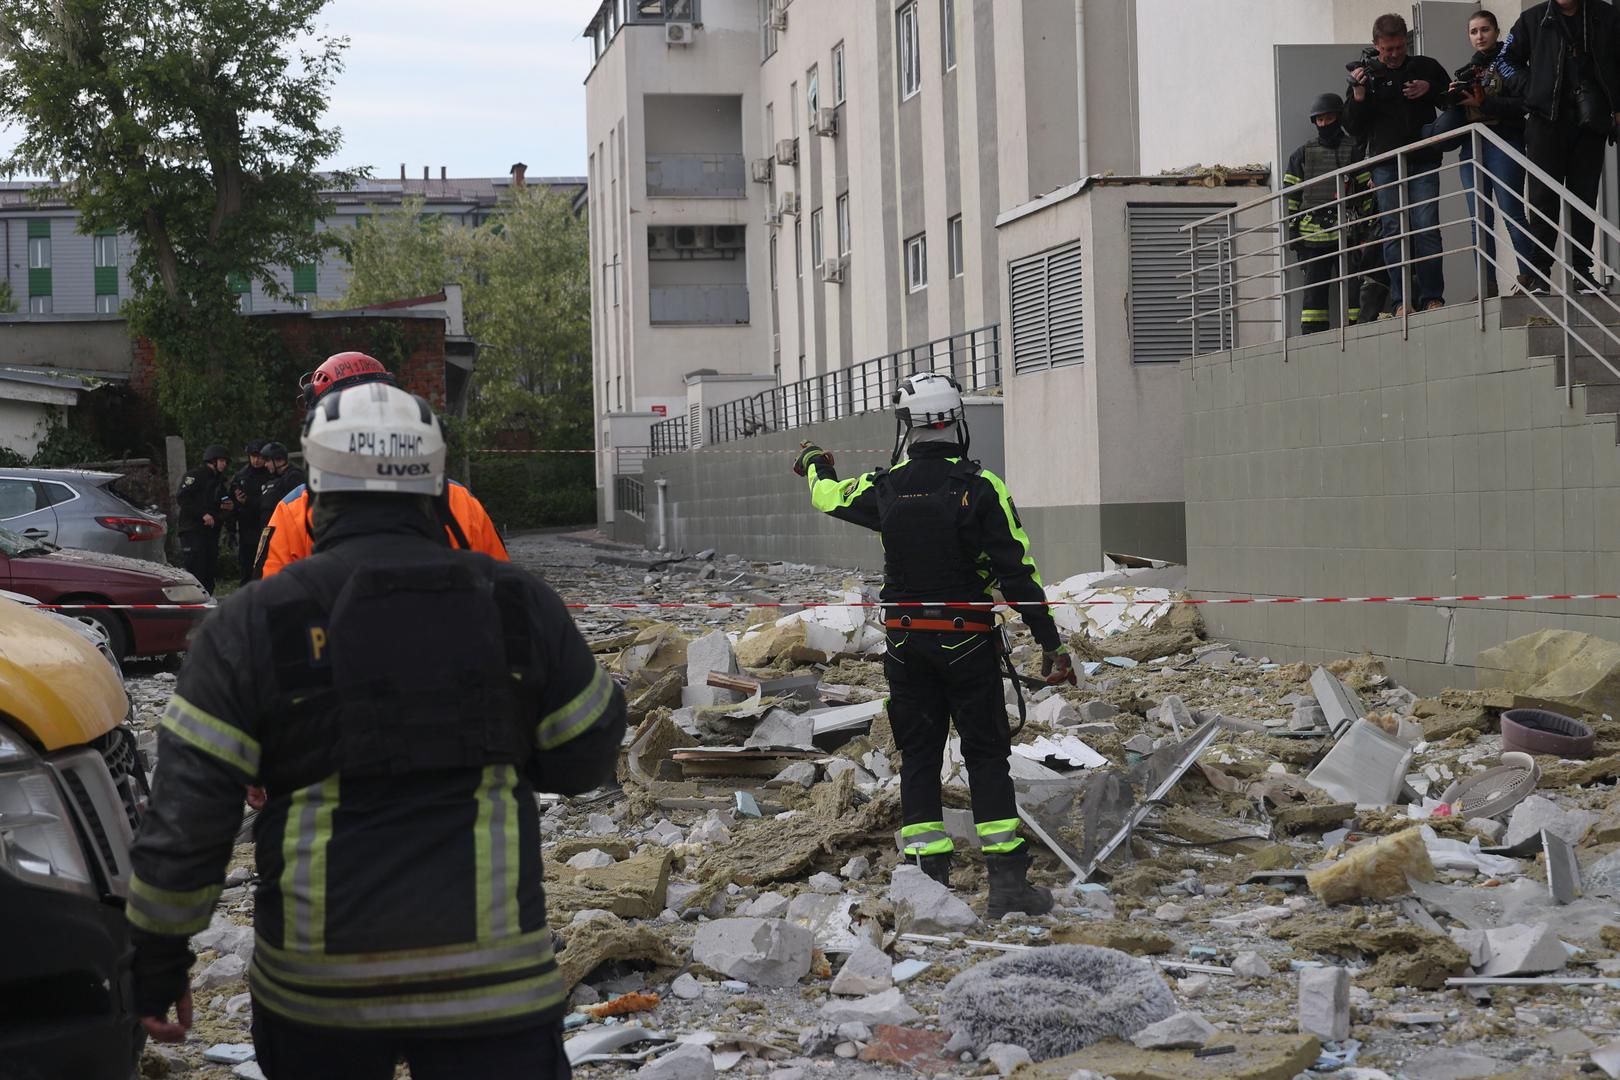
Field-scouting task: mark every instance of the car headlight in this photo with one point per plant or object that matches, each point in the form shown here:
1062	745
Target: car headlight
38	844
185	594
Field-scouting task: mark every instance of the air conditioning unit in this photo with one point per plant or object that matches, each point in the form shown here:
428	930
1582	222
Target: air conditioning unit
762	169
727	237
658	239
779	21
690	237
832	270
826	122
678	33
788	204
787	152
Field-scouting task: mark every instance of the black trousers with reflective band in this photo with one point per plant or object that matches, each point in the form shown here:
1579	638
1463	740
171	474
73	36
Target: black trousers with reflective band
936	679
291	1051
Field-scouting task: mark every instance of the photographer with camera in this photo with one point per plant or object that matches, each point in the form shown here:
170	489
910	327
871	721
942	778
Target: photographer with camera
1487	90
1317	221
1569	51
1392	99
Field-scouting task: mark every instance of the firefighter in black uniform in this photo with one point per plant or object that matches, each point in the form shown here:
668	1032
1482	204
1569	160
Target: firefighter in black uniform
950	532
401	703
1315	229
246	487
203	500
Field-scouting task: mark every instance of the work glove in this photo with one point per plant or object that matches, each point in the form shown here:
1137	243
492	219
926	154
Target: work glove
811	454
1057	666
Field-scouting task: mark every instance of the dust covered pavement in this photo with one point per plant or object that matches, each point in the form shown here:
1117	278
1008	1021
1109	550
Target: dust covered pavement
735	905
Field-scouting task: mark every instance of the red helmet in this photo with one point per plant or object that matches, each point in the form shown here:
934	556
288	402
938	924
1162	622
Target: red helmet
340	370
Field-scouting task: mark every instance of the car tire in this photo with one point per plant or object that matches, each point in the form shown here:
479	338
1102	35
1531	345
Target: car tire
112	624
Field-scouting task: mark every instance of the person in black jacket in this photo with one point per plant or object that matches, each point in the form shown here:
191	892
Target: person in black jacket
245	487
282	478
1491	95
401	703
950	532
1569	51
1389	106
1317	222
203	501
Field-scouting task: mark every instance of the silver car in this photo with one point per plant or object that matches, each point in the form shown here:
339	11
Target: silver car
75	508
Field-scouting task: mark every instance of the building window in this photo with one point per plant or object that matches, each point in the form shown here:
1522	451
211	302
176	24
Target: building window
838	73
812	93
304	278
953	244
910	48
39	305
39	253
773	262
815	238
767	25
39	264
793	110
105	273
106	250
107	304
243	288
843	223
947	33
917	263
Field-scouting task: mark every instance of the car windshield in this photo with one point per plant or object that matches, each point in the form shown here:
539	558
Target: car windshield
20	546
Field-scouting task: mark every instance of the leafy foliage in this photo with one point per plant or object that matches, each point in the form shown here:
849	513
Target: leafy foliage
8	302
195	128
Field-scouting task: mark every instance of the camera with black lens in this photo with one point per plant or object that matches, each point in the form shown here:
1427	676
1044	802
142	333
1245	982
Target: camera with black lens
1380	80
1467	79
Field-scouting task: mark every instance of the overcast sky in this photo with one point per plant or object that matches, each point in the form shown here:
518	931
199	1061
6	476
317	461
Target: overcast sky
474	86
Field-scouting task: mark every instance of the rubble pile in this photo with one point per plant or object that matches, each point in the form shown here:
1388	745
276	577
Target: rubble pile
1261	869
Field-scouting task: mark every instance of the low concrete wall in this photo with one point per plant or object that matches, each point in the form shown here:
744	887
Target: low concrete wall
742	497
1441	465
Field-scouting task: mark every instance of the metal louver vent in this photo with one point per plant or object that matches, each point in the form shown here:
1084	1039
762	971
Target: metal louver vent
1046	296
1159	301
694	425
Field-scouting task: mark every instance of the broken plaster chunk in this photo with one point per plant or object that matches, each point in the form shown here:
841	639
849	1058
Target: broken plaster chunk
1193	986
924	906
782	728
665	833
1324	1003
1522	950
1185	1030
229	1053
839	766
1170	913
867	971
856	868
826	884
768	952
686	1062
686	987
801	773
1006	1056
770	905
1538	812
888	1007
1254	918
1251	965
586	860
227	969
1054	712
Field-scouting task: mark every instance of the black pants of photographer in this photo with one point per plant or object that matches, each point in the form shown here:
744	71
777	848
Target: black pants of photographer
1573	156
935	679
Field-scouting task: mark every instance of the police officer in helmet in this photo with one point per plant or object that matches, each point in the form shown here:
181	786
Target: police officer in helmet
288	535
401	702
203	500
950	532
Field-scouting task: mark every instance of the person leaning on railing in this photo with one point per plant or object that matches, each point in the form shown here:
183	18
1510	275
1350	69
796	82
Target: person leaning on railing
1570	51
1392	99
1489	90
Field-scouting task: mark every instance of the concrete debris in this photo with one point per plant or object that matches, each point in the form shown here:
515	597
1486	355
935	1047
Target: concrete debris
1538	813
857	868
229	1053
887	1007
867	971
686	987
1177	1031
799	774
585	860
1513	950
769	952
770	905
684	1062
710	653
1324	1003
222	972
1251	965
924	906
1006	1057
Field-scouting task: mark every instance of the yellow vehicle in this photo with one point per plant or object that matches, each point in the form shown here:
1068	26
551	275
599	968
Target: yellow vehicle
72	789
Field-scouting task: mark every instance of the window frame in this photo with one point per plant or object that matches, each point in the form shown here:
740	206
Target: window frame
817	248
108	303
838	74
37	244
947	34
908	49
798	249
953	245
41	304
812	92
99	260
841	214
916	260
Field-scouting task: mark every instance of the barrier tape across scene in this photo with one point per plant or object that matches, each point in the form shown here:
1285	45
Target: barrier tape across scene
664	605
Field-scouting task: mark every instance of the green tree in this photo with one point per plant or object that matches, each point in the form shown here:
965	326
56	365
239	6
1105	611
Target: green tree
525	279
196	128
8	302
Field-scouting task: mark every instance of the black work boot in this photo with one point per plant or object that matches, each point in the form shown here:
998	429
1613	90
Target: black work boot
1010	889
937	867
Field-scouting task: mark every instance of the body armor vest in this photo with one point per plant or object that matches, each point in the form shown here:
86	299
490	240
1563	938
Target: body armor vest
391	671
924	558
1321	160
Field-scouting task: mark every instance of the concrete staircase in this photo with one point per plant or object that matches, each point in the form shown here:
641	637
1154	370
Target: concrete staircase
1597	384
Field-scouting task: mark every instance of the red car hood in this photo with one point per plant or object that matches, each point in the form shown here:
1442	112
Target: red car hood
93	568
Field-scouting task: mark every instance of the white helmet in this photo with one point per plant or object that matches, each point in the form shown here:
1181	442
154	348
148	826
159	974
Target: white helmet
374	437
928	399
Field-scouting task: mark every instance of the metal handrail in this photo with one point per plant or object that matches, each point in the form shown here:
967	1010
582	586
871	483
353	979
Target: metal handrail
1219	259
972	357
668	436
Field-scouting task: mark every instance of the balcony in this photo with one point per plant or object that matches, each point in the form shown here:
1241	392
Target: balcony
711	304
697	176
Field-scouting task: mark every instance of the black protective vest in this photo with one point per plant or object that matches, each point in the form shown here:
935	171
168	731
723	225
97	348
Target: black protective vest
1320	160
924	557
384	672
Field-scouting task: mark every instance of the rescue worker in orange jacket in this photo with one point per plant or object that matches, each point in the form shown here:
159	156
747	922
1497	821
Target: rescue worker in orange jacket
288	535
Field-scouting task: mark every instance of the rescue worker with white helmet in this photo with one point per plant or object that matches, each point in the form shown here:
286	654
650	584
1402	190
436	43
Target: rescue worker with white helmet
288	532
401	702
950	533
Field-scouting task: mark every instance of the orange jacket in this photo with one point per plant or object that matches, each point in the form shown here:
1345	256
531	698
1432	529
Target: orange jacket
288	537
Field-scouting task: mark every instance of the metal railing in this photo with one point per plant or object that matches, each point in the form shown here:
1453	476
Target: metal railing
1249	278
669	436
973	358
629	496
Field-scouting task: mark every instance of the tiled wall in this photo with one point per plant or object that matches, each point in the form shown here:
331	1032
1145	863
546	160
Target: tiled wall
1444	464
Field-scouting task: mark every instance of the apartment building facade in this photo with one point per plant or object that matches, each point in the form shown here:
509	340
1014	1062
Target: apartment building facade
54	268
